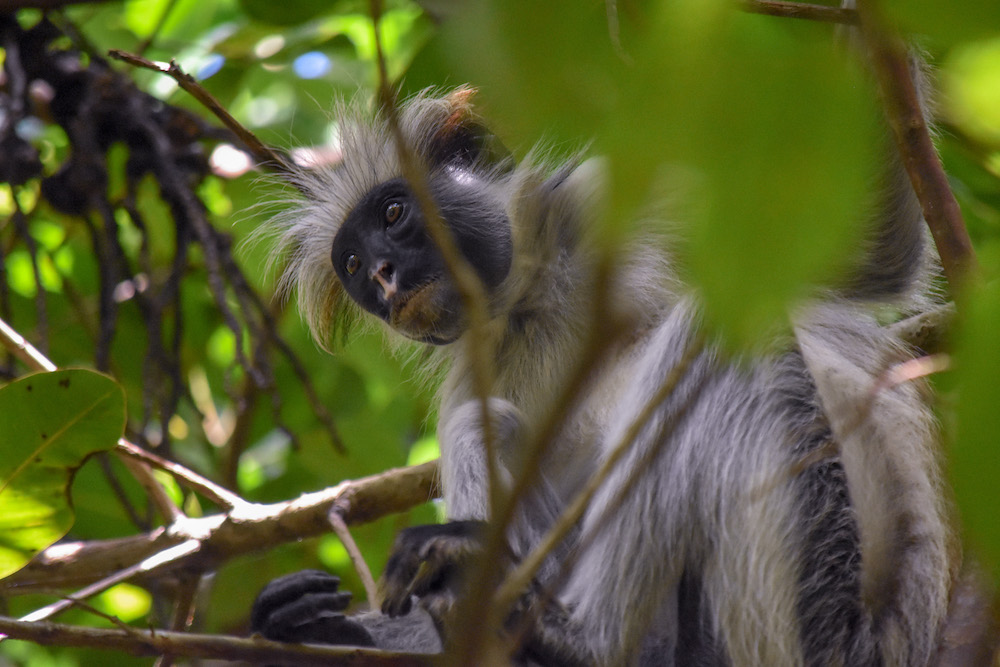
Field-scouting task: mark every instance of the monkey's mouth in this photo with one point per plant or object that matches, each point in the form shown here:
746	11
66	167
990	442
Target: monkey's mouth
420	313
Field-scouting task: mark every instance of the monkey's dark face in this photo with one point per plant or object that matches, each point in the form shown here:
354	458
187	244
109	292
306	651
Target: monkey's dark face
391	267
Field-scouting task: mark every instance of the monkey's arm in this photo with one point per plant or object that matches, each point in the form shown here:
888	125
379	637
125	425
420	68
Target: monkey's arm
427	562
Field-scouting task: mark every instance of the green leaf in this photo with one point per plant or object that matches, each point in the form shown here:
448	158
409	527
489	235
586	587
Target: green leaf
758	130
49	423
971	94
973	460
946	22
287	13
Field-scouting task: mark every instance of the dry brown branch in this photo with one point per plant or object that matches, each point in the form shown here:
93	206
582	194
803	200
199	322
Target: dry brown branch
219	495
261	151
251	527
155	563
605	332
341	530
891	65
19	346
157	642
802	10
185	602
154	490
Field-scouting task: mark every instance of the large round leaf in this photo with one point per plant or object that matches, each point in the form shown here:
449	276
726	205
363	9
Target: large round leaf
49	423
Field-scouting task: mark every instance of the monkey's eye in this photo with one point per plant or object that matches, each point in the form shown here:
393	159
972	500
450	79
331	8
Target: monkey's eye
393	212
352	264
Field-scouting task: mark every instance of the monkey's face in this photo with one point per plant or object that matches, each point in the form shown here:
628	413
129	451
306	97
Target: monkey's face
390	266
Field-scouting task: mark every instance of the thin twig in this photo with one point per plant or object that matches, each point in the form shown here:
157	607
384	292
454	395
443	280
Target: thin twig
19	346
219	495
360	566
605	333
261	151
41	301
183	613
142	473
160	22
802	10
156	562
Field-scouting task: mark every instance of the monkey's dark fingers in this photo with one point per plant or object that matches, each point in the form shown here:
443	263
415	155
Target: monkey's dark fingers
425	560
290	589
396	584
396	593
313	619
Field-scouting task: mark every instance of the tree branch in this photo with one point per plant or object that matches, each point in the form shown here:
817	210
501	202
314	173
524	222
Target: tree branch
891	65
138	459
261	151
14	5
802	10
253	649
248	528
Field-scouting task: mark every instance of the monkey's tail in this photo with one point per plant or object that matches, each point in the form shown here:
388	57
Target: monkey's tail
888	446
898	260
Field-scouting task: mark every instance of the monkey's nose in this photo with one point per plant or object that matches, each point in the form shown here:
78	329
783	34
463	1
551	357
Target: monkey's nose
385	275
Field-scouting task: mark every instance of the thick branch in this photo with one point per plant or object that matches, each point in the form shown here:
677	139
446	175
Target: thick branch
156	642
251	527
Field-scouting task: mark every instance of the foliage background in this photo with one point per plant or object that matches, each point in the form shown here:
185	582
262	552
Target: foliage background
549	70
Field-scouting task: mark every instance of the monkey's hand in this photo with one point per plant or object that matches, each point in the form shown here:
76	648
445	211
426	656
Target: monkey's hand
429	562
306	607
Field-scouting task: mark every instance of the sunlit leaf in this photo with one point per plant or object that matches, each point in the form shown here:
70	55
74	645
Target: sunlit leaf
19	273
972	85
423	450
49	423
124	601
332	553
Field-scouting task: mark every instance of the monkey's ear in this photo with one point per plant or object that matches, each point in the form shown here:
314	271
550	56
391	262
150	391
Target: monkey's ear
462	140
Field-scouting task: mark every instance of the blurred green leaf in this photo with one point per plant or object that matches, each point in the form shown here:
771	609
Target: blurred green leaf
423	450
49	423
945	22
759	130
125	602
285	13
971	84
974	458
